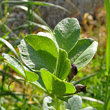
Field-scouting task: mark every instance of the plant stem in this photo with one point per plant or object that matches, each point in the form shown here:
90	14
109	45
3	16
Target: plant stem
107	95
58	104
6	8
30	17
63	106
84	78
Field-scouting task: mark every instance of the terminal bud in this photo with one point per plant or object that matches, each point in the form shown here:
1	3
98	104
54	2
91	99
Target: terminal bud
73	72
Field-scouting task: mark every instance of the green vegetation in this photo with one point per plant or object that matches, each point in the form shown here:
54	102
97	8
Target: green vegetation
54	69
107	97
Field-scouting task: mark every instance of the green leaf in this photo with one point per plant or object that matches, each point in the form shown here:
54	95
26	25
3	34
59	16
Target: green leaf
9	46
49	35
42	43
67	33
43	55
3	37
40	84
55	85
83	52
2	108
35	3
14	64
46	28
31	76
74	103
46	34
63	65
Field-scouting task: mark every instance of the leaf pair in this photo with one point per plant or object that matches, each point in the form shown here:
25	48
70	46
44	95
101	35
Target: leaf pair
80	52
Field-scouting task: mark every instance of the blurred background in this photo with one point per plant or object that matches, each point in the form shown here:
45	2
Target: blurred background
16	21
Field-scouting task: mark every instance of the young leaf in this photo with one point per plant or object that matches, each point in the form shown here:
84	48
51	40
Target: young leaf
74	103
31	76
45	48
42	43
83	52
63	65
49	35
55	85
36	60
67	33
14	64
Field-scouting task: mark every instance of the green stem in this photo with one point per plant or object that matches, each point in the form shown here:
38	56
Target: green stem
6	8
30	17
63	106
107	95
58	104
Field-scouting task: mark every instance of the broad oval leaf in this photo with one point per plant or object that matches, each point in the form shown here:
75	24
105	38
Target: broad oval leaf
56	86
67	33
42	57
83	52
42	43
63	65
14	64
49	35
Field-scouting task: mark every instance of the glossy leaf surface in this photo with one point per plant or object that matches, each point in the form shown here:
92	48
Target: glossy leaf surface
67	33
55	85
83	52
14	64
63	65
40	54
